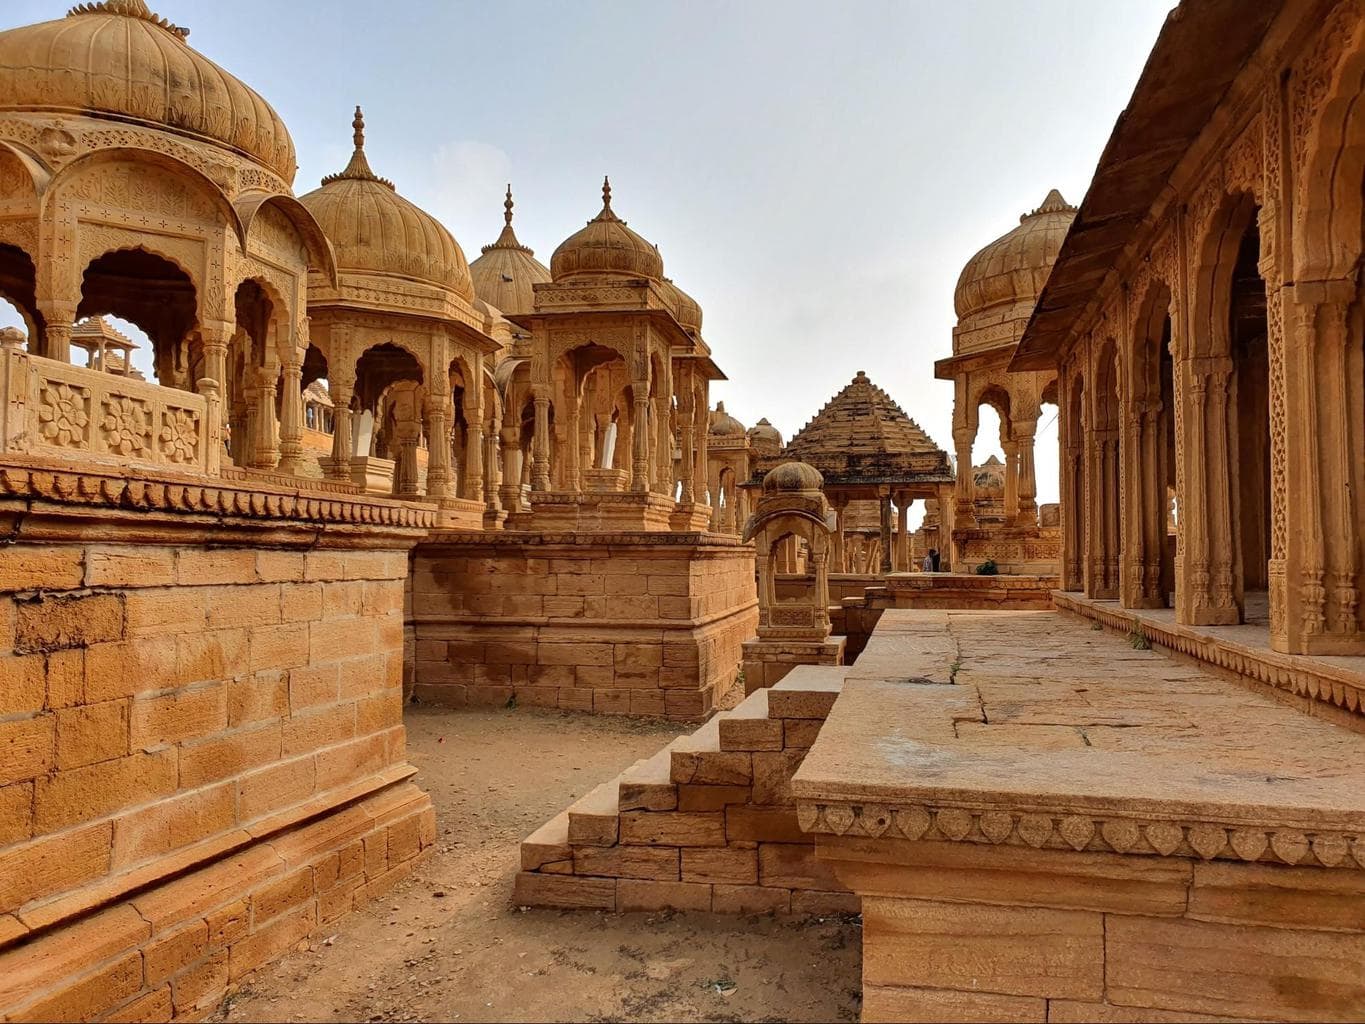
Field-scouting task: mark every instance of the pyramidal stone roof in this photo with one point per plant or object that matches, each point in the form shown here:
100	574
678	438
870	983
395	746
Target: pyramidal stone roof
862	436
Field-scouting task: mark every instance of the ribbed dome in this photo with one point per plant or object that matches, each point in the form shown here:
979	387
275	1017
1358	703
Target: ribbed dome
685	308
764	435
1014	268
505	273
723	424
374	230
116	58
988	479
606	247
792	476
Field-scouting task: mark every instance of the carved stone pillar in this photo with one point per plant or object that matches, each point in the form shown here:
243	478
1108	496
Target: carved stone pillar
291	418
639	476
1027	509
264	453
342	388
884	507
902	533
1205	594
964	517
1011	502
492	484
840	557
473	457
687	464
438	445
510	491
57	339
540	441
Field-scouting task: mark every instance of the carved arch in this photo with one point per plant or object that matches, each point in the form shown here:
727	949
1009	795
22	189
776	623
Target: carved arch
1327	237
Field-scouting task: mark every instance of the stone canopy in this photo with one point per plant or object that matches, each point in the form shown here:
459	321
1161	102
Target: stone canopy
863	439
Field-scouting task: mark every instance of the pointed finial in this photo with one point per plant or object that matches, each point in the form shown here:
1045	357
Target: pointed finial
508	238
606	192
358	169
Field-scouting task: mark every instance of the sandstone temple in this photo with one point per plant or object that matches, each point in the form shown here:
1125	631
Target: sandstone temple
1098	760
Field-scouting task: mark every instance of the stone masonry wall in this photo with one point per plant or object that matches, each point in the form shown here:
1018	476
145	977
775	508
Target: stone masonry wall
179	692
647	624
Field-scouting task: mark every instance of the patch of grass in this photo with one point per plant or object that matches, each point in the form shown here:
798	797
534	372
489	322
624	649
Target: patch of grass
954	668
511	703
1097	626
1138	641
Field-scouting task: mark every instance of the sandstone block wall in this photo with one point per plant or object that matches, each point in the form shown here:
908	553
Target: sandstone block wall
612	623
177	689
1048	935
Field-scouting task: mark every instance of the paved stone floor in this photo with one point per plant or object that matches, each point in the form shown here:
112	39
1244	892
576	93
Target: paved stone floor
1047	707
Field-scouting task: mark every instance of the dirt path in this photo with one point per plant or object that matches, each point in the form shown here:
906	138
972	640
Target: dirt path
448	945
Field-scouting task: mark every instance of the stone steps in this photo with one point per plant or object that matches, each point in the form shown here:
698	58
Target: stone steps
706	823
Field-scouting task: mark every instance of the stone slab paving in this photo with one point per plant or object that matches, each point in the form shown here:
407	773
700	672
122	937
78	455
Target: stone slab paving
1053	734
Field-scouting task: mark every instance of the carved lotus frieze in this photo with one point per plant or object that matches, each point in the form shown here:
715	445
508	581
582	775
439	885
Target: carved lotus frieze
179	436
125	426
63	416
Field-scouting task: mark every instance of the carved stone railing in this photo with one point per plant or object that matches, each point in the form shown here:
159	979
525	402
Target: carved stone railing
54	409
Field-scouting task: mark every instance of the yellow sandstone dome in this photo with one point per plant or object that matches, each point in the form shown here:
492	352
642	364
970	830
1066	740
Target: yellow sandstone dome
506	274
374	230
1011	271
606	247
117	59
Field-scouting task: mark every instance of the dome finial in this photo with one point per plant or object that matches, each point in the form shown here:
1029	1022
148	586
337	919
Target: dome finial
358	169
606	192
507	206
129	9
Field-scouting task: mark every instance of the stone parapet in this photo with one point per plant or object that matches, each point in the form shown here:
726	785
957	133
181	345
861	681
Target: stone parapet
626	623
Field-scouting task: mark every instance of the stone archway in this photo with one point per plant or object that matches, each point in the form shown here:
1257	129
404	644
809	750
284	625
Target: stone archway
156	295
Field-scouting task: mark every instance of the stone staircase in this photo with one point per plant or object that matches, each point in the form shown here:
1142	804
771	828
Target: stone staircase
707	823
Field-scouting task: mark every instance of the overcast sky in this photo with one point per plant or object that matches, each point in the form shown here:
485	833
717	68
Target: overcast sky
815	174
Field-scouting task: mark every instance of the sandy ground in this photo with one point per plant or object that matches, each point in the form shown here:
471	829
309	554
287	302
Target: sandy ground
448	944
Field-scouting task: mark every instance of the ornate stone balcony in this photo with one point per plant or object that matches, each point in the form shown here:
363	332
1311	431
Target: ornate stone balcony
54	409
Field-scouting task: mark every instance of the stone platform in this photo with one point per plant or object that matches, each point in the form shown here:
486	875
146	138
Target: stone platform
640	623
856	617
1243	650
1045	822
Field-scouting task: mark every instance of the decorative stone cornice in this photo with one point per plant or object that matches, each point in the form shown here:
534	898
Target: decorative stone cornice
91	487
1137	834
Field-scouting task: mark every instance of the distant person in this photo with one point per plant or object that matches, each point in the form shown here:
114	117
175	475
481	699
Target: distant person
928	564
933	553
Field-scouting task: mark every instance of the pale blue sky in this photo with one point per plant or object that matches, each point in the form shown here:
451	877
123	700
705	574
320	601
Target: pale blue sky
815	174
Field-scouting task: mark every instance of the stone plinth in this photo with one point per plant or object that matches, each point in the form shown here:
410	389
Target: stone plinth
597	512
766	661
1103	832
1016	550
202	724
628	623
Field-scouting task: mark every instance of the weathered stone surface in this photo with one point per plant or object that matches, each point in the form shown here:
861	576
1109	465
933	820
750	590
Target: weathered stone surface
889	1003
1021	951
